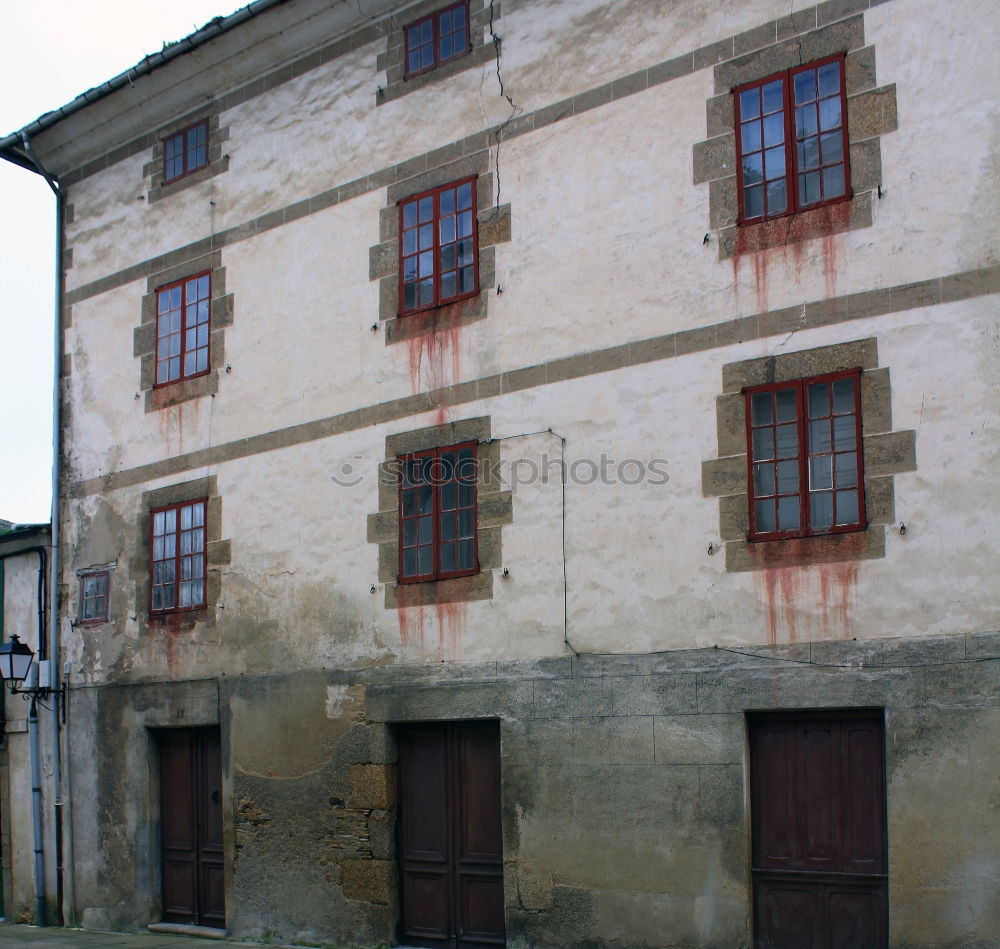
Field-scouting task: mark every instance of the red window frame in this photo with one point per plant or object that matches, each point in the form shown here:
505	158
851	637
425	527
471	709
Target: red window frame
812	465
183	329
801	122
177	564
437	31
431	488
185	151
95	597
434	228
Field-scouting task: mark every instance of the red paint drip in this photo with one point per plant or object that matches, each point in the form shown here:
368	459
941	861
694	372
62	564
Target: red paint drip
451	624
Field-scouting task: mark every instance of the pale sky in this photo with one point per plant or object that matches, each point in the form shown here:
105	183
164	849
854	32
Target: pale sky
52	52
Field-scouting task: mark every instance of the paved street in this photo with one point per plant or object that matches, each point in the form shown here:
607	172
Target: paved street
51	937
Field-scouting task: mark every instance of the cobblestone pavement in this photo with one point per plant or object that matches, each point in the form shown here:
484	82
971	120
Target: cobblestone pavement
52	937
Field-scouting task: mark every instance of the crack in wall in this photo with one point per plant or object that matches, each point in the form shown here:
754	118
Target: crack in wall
515	110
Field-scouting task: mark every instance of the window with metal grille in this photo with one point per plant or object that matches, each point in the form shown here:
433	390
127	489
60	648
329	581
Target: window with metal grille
438	251
437	514
436	38
185	151
177	557
182	324
791	141
94	596
804	455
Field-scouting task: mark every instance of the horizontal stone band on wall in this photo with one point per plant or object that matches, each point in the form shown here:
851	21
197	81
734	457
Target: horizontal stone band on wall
945	289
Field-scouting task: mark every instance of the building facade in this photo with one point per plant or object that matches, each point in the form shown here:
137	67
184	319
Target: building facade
527	475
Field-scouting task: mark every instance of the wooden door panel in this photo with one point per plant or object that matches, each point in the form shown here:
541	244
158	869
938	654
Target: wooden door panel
818	827
191	817
451	846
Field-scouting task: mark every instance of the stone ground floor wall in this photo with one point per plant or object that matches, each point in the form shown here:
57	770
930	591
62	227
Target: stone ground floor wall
625	802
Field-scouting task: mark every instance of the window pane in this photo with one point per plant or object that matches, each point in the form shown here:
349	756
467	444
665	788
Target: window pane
466	280
805	86
808	154
844	432
425	498
819	436
821	510
465	195
763	480
409	532
774	129
409	562
847	507
760	408
750	103
772	96
805	121
819	399
833	181
449	257
449	496
465	555
750	137
774	163
788	477
449	527
809	188
409	214
765	516
448	558
785	399
425	559
843	396
426	264
832	144
445	46
448	287
426	233
425	208
426	292
425	531
753	201
820	473
466	525
753	169
829	79
788	514
465	224
447	230
763	446
465	252
846	468
829	114
787	439
466	495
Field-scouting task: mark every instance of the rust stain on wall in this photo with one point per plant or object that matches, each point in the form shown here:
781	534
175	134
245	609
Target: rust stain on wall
808	602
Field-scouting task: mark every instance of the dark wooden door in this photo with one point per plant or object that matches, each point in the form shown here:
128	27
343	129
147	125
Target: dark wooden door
819	844
191	809
451	850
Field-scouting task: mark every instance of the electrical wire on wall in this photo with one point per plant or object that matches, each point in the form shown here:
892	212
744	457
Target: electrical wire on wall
562	481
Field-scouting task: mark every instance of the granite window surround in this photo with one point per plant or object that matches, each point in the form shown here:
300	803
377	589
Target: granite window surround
482	48
153	170
871	113
885	453
494	227
218	553
494	509
144	335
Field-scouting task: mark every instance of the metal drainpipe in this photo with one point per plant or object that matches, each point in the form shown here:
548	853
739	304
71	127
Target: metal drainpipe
54	652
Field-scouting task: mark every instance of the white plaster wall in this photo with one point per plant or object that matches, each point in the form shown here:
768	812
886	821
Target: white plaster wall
606	248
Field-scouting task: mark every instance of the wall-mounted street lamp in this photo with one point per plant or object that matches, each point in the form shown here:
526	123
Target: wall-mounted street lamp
15	664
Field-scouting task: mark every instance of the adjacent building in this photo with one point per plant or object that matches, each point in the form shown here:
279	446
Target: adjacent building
528	476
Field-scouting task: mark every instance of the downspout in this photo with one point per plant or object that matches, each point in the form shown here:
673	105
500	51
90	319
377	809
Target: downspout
54	650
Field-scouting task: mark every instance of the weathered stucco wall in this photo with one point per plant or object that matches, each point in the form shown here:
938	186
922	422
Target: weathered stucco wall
615	303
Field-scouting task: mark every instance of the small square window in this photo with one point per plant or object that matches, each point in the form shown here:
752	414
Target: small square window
94	597
791	141
185	152
436	39
182	329
437	514
177	557
438	247
805	458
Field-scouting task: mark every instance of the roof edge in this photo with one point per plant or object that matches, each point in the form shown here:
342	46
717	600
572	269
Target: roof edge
10	146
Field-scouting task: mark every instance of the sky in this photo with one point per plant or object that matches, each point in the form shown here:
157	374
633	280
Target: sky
53	51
